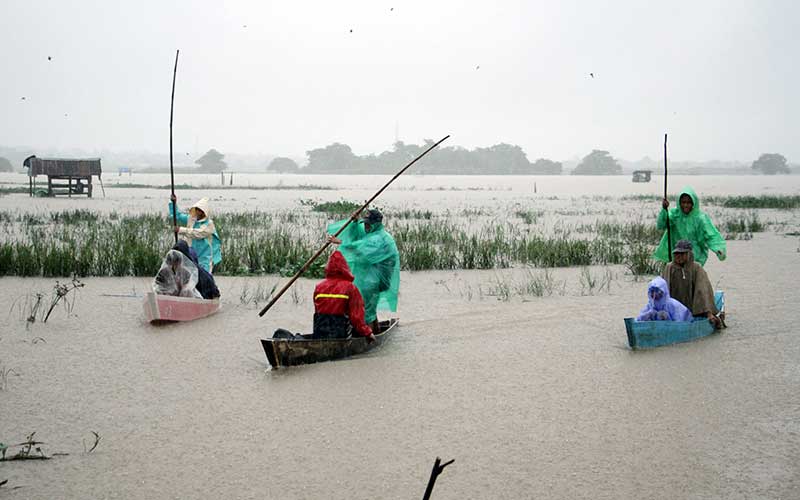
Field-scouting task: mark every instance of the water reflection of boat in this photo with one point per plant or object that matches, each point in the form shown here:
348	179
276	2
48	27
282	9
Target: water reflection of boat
163	308
647	334
303	349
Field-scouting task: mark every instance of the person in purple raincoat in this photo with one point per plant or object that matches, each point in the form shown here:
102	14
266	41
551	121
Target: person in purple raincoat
660	306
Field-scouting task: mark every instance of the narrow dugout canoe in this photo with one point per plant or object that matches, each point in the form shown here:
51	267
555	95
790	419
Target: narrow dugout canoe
305	350
648	334
164	308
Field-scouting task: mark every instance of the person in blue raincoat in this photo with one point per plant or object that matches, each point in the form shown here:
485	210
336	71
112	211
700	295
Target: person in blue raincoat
198	230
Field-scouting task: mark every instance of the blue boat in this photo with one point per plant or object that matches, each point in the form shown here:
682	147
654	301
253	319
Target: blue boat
647	334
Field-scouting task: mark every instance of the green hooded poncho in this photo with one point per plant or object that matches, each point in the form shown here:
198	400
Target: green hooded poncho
695	227
374	261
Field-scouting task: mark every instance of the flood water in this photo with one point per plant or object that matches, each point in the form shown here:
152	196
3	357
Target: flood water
534	397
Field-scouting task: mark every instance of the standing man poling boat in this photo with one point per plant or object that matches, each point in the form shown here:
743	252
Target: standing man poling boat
374	261
687	222
199	232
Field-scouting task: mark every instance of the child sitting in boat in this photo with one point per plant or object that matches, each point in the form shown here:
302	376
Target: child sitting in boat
660	306
177	276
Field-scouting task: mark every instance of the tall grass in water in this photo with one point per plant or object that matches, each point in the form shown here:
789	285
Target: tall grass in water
744	224
784	202
341	207
86	244
530	284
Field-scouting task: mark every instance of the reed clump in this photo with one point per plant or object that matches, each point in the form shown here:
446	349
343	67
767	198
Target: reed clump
748	223
781	202
340	207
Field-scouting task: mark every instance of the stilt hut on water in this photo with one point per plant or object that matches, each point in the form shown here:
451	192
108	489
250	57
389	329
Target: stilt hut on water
76	172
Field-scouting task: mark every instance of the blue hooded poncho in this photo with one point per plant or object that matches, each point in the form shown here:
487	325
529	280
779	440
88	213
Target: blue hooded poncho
675	311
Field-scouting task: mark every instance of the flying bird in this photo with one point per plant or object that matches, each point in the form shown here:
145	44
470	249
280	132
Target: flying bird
477	67
351	31
591	74
49	58
23	98
391	9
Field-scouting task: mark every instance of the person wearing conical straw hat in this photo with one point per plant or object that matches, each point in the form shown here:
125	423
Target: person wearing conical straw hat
198	230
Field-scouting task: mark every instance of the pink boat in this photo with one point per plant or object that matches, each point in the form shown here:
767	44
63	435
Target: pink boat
162	308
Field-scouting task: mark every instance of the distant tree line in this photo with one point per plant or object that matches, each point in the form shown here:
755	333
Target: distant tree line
499	159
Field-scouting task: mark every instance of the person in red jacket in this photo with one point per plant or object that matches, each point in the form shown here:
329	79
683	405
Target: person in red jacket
338	305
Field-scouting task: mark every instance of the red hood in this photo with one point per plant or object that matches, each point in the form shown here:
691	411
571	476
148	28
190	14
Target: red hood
337	267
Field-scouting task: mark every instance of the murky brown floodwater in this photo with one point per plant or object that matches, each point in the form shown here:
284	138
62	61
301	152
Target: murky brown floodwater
533	399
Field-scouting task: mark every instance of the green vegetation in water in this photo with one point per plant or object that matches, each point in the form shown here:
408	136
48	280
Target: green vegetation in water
411	214
528	216
744	224
84	243
783	202
14	190
642	197
276	187
341	207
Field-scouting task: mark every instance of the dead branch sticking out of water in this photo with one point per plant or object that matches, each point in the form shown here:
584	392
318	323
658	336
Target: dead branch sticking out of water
29	450
438	467
60	291
35	309
96	442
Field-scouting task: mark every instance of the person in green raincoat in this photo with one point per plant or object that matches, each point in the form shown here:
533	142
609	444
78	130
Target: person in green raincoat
374	260
687	222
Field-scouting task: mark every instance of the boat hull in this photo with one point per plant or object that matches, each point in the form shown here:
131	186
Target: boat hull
167	308
649	334
305	350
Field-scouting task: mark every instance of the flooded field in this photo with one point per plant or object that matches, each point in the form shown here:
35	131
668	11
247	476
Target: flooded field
532	391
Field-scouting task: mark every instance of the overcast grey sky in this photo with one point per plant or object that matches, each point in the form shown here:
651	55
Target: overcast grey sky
281	77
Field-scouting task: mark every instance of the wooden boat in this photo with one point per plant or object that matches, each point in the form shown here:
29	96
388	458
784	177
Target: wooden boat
647	334
304	350
165	308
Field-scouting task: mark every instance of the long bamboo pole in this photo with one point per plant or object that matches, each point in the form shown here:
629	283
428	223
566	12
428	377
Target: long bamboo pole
353	218
669	235
173	198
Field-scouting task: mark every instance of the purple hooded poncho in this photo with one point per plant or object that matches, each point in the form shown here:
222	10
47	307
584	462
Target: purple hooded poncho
674	309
